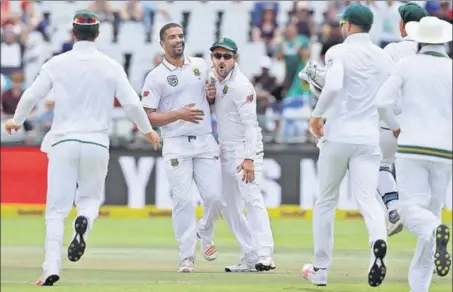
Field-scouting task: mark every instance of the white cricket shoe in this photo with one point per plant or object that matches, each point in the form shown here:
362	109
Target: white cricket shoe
318	278
242	267
208	248
186	266
394	224
265	264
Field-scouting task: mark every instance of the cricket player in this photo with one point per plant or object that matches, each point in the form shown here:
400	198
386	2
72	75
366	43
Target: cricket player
241	152
387	186
423	85
355	71
84	83
174	95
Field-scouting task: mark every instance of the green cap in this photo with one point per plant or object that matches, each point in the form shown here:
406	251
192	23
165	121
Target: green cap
412	12
358	14
225	43
85	21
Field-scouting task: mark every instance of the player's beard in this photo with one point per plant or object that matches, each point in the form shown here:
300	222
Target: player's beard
223	70
178	50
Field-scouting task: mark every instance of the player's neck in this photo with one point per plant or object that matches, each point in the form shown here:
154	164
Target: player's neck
177	62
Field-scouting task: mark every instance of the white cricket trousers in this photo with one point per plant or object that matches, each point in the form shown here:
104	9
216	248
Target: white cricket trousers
422	185
72	163
191	159
253	231
362	164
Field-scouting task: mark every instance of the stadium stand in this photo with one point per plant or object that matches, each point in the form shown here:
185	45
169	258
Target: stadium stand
275	40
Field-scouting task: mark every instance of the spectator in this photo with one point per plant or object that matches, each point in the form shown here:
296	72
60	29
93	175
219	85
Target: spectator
33	20
103	10
265	86
302	17
258	8
43	121
388	13
11	97
150	11
292	50
132	11
67	46
267	30
12	51
332	38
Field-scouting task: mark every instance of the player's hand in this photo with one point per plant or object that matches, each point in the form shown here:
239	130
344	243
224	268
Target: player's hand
317	127
396	133
154	139
248	169
211	91
10	126
190	114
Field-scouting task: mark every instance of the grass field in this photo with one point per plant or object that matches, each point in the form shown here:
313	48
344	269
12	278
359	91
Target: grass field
137	255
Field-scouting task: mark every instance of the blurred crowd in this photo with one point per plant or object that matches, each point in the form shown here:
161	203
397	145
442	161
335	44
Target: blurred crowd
283	100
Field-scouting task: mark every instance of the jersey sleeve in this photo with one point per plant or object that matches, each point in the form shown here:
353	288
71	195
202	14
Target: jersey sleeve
245	101
151	93
37	91
129	100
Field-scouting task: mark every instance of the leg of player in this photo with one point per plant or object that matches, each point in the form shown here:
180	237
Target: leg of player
180	176
420	200
332	167
93	167
61	189
208	177
386	185
236	220
257	216
363	179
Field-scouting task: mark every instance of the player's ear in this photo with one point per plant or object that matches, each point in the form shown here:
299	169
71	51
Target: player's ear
161	44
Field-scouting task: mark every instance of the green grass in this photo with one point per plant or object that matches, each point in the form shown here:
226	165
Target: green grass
138	255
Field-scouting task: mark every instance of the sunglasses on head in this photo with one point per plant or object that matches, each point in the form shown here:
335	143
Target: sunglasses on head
342	22
219	56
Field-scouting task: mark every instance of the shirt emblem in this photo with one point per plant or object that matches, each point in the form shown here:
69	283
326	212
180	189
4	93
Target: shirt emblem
172	80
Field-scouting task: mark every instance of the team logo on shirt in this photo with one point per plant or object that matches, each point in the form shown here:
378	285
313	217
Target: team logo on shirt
225	89
250	98
174	162
172	80
145	93
196	72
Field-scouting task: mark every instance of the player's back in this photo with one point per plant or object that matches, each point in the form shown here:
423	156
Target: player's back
84	85
426	103
400	50
354	117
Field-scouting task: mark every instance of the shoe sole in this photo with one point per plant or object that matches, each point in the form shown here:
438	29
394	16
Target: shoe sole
397	228
378	270
77	247
185	270
51	280
228	270
260	267
442	259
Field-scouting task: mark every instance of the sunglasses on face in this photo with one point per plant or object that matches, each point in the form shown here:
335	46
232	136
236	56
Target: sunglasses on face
219	56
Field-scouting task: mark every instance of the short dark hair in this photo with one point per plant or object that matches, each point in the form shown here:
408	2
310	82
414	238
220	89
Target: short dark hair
85	33
164	29
365	29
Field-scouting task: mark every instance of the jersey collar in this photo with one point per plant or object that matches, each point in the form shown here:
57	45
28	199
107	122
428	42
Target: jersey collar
358	38
434	48
172	67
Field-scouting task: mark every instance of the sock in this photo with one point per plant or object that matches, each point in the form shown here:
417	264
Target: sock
387	187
